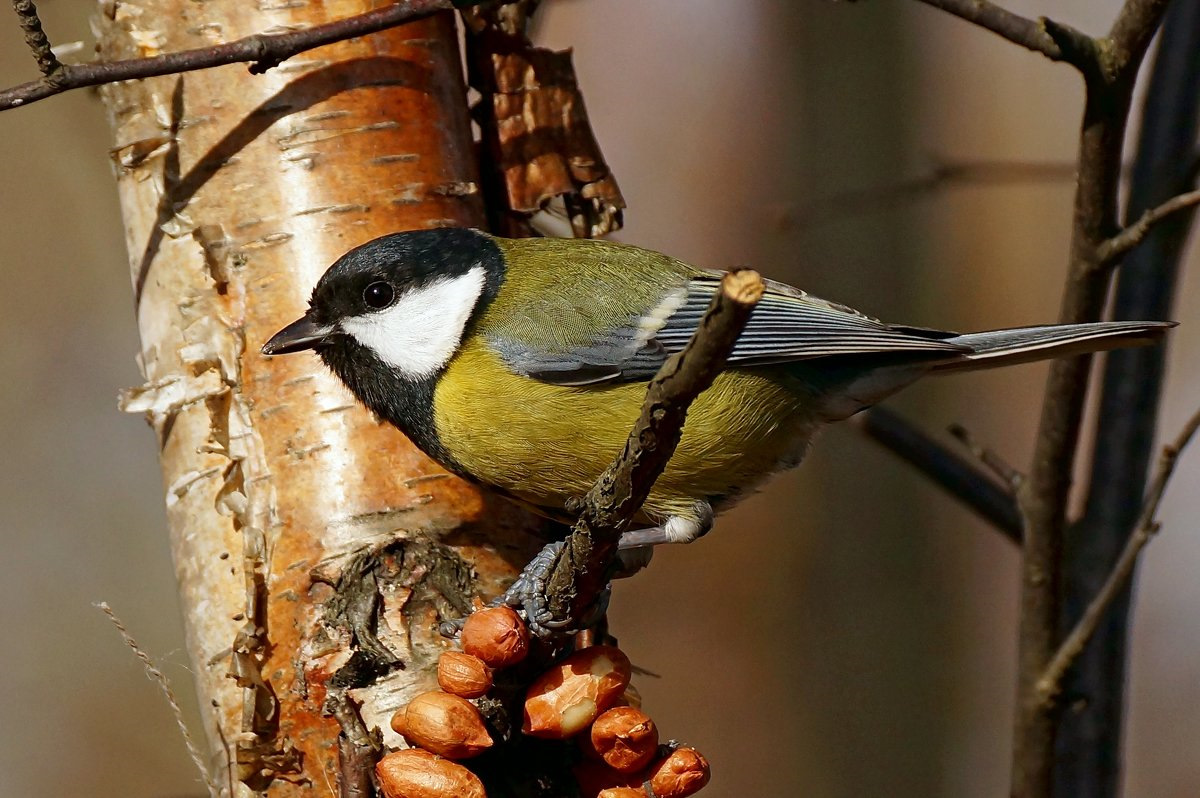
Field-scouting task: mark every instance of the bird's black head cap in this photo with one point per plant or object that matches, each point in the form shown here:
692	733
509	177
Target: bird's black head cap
370	278
405	261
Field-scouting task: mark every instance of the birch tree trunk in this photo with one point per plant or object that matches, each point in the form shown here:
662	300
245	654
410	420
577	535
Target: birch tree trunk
315	548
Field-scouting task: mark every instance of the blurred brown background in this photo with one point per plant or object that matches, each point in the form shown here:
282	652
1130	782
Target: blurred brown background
849	632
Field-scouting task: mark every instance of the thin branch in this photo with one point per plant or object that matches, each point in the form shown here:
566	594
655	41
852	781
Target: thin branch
35	37
991	460
954	474
1123	242
1050	682
1054	40
262	50
358	748
584	565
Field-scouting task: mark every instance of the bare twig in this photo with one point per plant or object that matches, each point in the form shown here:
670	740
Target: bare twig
953	473
358	748
583	567
263	51
1056	41
35	37
160	678
1120	244
1050	682
990	459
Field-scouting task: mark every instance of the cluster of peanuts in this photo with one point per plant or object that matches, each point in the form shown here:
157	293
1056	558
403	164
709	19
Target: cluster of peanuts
586	696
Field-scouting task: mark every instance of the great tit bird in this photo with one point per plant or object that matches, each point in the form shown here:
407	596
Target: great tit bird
522	364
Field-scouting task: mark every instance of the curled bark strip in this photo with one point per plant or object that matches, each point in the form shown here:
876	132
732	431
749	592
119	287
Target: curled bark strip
535	127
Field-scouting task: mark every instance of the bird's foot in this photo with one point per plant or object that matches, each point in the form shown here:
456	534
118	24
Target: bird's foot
528	595
676	529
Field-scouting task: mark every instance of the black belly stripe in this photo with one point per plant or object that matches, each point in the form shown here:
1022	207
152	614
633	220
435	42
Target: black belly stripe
403	402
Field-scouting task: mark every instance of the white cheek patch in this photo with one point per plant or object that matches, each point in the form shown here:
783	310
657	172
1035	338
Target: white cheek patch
421	331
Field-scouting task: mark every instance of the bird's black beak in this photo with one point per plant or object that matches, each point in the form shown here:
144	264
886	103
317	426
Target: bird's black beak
304	333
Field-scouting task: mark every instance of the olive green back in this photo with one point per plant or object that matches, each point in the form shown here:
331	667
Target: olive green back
558	308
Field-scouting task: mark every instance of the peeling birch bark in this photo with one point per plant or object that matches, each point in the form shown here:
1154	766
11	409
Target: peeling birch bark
315	548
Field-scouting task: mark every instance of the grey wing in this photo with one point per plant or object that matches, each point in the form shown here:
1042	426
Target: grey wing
616	356
786	325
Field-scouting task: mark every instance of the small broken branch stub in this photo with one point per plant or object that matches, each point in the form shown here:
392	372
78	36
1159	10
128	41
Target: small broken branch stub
1135	233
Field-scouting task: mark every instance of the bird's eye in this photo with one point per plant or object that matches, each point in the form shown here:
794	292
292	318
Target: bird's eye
378	295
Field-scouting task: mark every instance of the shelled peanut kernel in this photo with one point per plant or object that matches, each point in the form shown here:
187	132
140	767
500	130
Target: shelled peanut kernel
565	699
679	774
497	636
444	724
463	674
413	773
625	738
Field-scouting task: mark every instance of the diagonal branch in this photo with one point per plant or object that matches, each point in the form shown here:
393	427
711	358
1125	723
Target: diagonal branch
1123	242
1050	683
262	51
989	458
35	37
950	471
1054	40
583	567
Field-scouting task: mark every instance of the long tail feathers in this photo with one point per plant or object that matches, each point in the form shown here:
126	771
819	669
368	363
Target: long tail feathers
1025	344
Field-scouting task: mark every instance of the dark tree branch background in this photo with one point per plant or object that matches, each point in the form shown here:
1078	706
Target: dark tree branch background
897	612
1132	386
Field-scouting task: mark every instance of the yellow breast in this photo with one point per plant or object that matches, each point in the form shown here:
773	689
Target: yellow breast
547	443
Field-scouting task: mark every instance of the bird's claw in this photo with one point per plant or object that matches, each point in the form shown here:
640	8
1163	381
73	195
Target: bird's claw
451	628
528	596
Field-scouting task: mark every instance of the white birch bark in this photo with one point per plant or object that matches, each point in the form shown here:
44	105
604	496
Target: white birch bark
237	193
